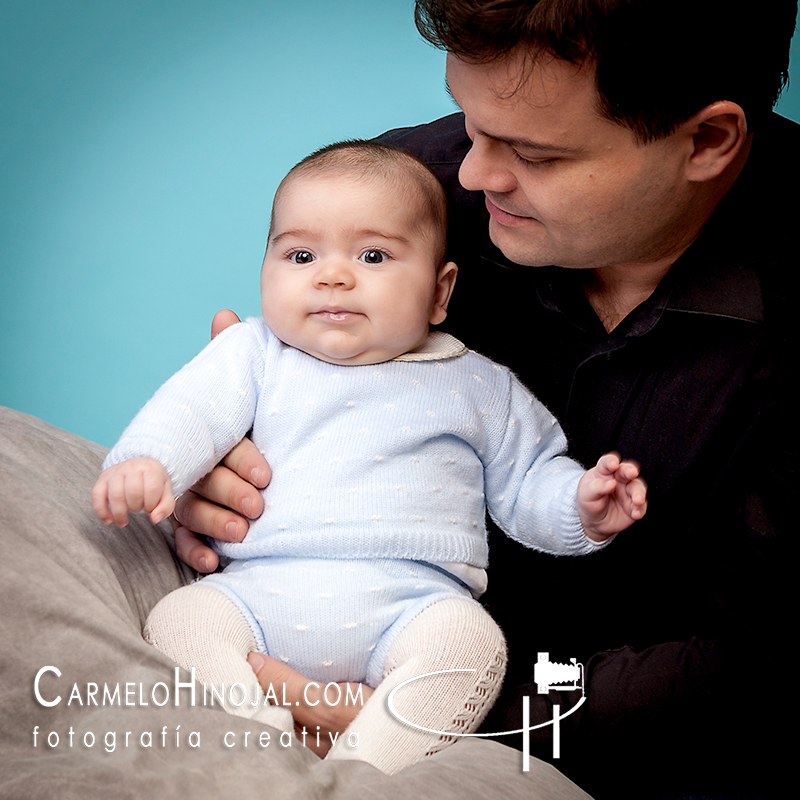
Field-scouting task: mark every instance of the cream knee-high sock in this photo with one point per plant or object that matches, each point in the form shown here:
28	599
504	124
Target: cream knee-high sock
451	634
200	627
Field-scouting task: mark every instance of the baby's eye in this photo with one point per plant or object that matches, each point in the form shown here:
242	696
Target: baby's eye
301	257
373	256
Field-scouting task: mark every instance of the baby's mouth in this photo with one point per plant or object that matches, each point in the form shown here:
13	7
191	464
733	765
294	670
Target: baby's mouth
337	314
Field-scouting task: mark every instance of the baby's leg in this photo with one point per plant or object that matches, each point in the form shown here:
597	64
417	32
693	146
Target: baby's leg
452	634
200	627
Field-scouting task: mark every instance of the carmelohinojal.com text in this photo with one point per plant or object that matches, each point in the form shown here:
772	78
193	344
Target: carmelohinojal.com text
191	693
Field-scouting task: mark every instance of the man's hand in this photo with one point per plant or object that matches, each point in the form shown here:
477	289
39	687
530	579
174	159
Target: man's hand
611	497
139	484
308	705
221	504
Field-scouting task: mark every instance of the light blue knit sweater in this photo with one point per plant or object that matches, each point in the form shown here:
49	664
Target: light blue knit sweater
389	462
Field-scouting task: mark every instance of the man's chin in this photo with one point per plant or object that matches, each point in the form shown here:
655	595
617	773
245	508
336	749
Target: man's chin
525	253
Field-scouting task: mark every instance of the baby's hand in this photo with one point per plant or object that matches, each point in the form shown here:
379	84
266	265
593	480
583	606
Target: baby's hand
611	497
135	485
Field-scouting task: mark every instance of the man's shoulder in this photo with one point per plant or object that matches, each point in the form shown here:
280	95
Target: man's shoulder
754	225
783	128
443	145
443	141
770	175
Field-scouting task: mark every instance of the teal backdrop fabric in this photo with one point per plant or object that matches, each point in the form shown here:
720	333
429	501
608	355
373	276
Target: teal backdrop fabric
140	144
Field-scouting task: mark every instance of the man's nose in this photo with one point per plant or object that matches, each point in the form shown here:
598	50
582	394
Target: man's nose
485	168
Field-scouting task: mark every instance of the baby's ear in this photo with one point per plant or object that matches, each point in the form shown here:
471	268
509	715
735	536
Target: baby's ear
445	281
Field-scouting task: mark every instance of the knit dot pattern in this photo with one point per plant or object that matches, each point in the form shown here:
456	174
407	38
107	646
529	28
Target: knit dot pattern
391	462
332	620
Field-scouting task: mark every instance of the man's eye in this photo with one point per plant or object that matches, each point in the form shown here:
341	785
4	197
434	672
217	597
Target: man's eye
373	257
301	257
535	162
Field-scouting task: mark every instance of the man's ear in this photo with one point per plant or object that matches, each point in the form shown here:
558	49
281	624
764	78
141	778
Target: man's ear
719	132
445	281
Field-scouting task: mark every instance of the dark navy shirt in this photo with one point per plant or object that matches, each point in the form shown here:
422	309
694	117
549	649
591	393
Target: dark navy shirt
678	620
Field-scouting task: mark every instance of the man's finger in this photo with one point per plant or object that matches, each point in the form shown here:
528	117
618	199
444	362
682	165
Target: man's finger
208	519
248	463
273	673
223	319
192	551
225	488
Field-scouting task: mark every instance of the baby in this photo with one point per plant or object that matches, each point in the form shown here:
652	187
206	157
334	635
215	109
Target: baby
387	444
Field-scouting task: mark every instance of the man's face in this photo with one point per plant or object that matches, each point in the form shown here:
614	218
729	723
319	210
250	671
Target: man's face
564	186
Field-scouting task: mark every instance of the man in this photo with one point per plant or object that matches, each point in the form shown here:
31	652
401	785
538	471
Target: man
631	145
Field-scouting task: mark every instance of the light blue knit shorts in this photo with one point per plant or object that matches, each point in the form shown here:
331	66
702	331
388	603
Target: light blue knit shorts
330	619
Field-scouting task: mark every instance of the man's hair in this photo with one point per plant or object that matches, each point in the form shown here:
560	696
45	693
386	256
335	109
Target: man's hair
411	179
657	62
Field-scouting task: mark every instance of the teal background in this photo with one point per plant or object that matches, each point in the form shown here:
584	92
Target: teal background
140	144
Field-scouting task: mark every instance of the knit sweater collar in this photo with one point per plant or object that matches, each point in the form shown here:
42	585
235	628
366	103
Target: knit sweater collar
437	347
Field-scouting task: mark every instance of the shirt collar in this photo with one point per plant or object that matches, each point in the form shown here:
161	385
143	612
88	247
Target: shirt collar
708	279
437	347
694	285
704	285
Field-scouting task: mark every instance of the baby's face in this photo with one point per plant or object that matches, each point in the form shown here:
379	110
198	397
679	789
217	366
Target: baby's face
348	276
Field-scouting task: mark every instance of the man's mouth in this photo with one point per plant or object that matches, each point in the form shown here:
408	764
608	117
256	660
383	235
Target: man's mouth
505	217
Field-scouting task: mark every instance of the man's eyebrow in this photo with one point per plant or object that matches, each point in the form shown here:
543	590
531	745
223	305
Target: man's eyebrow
520	142
531	145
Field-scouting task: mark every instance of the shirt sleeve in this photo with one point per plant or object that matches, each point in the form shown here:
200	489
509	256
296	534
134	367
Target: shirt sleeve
531	484
201	412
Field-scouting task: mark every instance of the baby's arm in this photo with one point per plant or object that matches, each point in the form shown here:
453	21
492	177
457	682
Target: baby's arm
611	497
548	501
139	484
201	412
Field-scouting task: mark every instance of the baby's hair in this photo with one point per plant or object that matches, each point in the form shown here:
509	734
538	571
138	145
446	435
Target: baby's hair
370	160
